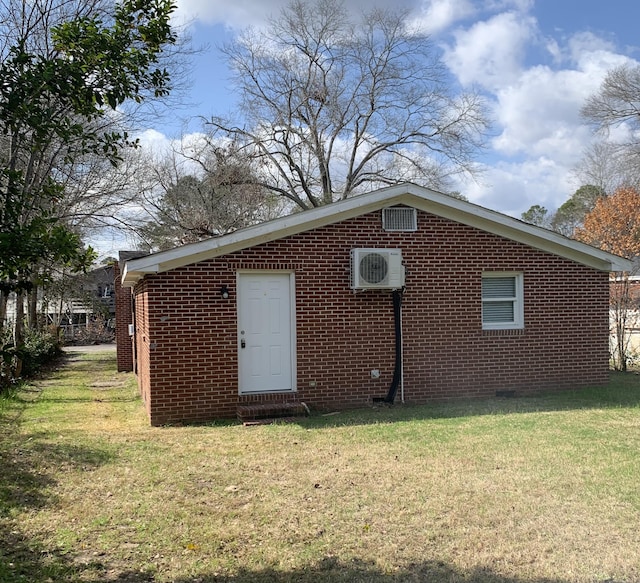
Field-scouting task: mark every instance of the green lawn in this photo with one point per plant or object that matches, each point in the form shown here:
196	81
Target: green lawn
503	491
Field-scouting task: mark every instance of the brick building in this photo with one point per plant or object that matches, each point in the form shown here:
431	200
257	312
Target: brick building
402	294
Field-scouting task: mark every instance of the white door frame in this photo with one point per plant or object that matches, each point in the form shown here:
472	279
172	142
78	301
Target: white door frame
292	329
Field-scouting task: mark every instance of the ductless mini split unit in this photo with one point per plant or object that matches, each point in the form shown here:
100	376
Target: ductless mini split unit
377	269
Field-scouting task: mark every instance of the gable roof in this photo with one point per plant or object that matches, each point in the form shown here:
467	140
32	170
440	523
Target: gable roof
411	195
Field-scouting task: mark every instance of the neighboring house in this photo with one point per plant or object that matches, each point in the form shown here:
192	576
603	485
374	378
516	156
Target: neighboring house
625	315
90	295
303	309
77	302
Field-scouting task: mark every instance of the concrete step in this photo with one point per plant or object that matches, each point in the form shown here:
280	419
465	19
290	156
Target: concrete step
264	412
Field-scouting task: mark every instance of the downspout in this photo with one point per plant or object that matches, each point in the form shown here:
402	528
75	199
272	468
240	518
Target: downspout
397	371
134	340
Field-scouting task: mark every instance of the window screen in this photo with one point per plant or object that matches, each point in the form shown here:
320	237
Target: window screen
502	301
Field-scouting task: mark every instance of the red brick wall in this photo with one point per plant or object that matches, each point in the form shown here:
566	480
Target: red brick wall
124	347
142	344
186	335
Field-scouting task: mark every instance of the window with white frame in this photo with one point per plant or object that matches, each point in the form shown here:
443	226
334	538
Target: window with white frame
502	301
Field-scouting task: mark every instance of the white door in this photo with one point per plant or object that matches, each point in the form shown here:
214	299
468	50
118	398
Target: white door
265	332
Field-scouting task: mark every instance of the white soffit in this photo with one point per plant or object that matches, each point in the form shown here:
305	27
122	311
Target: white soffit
407	194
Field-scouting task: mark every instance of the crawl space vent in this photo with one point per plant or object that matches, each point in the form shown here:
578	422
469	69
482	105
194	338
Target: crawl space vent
399	218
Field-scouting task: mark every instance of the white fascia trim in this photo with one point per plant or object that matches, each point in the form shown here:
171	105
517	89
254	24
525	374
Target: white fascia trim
255	235
537	237
409	194
516	230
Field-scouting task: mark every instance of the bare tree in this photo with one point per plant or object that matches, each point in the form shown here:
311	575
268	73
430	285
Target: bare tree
333	108
608	166
614	163
617	101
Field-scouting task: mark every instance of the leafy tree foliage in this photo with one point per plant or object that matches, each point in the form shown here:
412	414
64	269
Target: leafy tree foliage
335	107
571	214
614	226
64	69
536	215
53	105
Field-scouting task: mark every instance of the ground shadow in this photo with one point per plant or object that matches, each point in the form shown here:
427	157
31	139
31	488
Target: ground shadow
30	467
28	464
623	391
328	570
29	471
89	362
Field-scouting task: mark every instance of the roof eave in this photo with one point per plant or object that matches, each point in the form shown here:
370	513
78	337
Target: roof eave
255	235
409	194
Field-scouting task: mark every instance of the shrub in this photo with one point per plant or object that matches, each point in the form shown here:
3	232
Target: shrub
40	347
96	331
7	358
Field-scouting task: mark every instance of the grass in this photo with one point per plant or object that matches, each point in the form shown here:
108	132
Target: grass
500	491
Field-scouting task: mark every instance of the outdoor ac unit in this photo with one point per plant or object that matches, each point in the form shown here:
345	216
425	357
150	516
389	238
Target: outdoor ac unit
376	269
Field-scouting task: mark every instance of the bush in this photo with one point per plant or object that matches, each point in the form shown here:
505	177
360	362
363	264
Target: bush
40	347
7	358
95	332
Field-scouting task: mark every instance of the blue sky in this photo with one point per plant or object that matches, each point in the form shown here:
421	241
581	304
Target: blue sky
535	60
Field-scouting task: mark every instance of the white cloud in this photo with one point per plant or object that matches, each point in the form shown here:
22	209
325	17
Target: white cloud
490	53
539	134
595	64
154	141
587	43
553	48
506	5
540	114
159	147
236	14
437	15
514	187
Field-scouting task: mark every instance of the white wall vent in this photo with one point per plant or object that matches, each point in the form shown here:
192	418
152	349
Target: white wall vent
399	218
376	269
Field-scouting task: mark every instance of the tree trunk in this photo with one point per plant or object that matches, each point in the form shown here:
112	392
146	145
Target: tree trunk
621	305
622	356
32	312
3	307
18	331
18	325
